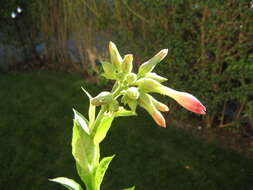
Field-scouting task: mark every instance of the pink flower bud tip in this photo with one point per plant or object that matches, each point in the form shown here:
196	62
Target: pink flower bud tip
159	119
186	100
162	53
190	103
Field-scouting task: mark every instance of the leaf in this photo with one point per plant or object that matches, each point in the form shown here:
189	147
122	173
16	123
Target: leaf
108	68
101	169
130	188
92	108
123	112
81	121
85	152
103	128
68	183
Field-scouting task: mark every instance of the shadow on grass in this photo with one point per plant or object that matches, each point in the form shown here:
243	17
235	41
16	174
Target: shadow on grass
35	136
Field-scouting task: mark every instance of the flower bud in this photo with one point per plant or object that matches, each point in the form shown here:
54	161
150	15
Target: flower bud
185	99
149	85
156	77
146	103
114	106
133	93
116	59
102	98
131	78
150	64
127	64
159	105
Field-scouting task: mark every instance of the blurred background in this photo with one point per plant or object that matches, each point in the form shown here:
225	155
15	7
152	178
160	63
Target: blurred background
49	49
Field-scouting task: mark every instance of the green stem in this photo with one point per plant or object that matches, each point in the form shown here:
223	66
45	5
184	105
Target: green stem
98	120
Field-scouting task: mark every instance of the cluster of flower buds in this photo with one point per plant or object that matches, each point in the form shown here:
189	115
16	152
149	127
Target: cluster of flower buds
134	88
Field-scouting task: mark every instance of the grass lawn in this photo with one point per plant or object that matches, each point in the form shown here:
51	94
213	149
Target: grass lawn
35	137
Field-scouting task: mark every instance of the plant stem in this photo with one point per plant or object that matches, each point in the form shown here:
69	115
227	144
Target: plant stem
98	120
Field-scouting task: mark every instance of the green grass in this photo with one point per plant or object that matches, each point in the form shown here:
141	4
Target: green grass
36	130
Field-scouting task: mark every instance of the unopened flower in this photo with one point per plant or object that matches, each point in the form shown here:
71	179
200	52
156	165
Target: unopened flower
150	64
115	56
185	99
159	105
133	93
102	98
131	78
145	102
127	64
114	106
156	77
148	85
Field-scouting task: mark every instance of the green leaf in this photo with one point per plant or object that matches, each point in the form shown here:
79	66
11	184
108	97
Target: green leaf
130	188
68	183
92	109
85	152
81	121
101	169
103	128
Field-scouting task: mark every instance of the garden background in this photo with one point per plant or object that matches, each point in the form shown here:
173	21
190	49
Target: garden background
52	48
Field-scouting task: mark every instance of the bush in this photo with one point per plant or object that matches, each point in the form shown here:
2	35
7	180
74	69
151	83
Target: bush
210	45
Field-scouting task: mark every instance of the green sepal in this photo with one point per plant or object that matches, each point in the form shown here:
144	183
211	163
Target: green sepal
114	106
130	188
109	77
109	70
68	183
103	128
122	112
132	104
82	121
156	77
101	169
92	109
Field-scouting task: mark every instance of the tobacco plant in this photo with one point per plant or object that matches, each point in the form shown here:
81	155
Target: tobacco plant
129	91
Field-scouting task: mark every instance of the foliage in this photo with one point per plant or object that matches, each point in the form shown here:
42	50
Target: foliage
210	43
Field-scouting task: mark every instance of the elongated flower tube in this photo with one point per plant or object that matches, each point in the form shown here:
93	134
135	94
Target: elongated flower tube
145	102
150	64
156	77
185	99
159	105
